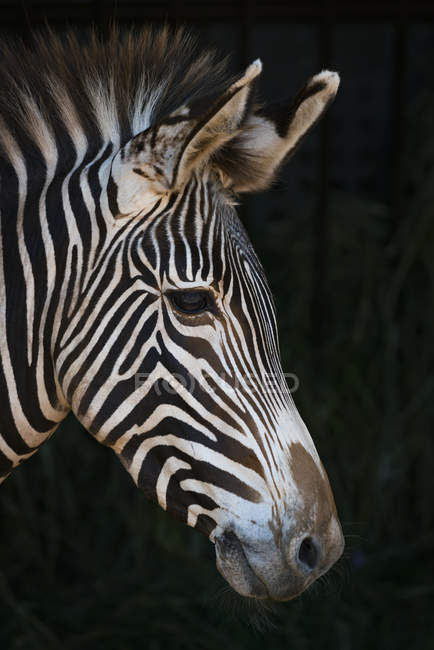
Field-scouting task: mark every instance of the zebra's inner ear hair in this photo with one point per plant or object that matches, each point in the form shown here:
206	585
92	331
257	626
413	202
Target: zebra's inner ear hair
161	159
250	161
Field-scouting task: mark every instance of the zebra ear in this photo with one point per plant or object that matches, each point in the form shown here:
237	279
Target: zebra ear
250	161
161	159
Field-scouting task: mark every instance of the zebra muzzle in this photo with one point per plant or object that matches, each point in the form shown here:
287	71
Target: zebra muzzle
255	566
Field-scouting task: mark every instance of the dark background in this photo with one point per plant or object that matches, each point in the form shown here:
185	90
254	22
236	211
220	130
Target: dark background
347	240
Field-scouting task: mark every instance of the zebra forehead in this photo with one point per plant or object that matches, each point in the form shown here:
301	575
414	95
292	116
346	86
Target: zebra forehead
200	217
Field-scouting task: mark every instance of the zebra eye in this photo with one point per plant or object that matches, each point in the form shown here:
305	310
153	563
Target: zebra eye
190	302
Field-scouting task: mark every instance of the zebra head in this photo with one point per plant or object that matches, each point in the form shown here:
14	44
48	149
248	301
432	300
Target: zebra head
178	368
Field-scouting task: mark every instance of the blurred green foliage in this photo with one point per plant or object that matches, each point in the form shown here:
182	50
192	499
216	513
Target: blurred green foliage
88	564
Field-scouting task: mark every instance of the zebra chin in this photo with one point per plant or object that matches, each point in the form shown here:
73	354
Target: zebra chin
265	570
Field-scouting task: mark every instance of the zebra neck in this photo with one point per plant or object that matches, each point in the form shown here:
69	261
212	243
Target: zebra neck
46	243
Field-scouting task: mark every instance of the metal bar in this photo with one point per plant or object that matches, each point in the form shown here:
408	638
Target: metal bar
26	21
320	302
392	384
244	48
101	15
223	11
398	112
248	7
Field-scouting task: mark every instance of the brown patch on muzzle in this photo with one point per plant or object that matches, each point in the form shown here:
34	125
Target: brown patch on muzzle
314	489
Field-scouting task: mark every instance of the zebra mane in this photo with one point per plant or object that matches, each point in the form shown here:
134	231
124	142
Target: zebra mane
105	89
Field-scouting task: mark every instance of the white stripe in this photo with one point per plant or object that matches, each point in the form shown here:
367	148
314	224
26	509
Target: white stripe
170	467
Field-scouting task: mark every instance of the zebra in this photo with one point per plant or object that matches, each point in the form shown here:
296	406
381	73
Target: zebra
131	294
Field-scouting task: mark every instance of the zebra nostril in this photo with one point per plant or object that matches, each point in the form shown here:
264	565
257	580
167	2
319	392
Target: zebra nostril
308	554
